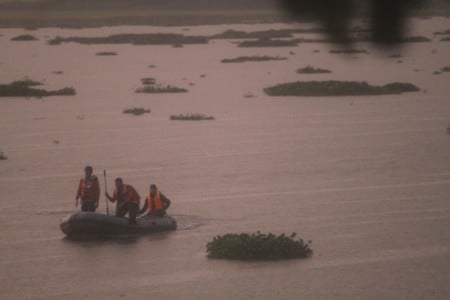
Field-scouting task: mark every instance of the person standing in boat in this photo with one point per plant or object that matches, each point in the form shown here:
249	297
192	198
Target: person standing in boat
156	203
127	200
88	191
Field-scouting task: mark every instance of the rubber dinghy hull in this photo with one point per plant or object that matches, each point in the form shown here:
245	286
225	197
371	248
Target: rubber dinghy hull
93	224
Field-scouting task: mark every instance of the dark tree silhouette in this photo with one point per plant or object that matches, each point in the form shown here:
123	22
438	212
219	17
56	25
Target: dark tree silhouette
387	17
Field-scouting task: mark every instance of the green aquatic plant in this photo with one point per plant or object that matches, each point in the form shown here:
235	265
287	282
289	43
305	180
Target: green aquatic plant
258	246
148	81
337	88
347	51
241	59
191	117
150	86
24	88
25	82
106	53
24	37
311	70
134	38
415	39
445	32
267	42
137	111
160	89
237	34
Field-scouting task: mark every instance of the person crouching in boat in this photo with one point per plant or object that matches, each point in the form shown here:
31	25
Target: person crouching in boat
156	203
88	191
127	200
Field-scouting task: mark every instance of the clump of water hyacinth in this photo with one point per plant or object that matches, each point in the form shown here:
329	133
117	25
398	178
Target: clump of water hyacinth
258	246
311	70
26	88
337	88
191	117
137	111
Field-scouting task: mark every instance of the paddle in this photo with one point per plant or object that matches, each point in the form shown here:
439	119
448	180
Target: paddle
106	199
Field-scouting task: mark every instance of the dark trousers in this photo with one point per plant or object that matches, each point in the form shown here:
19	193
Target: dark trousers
158	213
131	208
88	206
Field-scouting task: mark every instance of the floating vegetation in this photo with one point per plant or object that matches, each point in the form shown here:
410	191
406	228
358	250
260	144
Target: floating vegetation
137	111
106	53
258	246
24	88
3	156
448	129
249	95
337	88
26	82
415	39
446	32
395	55
24	38
191	117
263	34
445	39
151	87
238	34
151	66
148	81
57	72
442	70
135	39
160	89
241	59
269	43
366	37
311	70
347	51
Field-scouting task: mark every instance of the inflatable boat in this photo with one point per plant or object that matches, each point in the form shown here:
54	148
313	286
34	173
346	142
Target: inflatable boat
83	224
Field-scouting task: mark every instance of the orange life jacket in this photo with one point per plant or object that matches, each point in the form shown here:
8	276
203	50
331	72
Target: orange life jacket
89	189
128	194
157	202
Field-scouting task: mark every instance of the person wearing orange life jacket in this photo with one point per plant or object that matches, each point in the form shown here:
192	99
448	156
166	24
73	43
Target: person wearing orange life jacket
88	191
156	203
127	200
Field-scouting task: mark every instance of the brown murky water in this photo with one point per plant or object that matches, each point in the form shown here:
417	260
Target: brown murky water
365	178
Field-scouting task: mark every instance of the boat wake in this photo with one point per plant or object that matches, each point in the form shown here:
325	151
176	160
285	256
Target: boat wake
189	222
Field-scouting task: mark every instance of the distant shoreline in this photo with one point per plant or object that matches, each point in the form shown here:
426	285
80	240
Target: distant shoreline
87	19
38	18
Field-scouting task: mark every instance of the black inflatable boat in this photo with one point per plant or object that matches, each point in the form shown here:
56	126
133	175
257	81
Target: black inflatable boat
93	224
